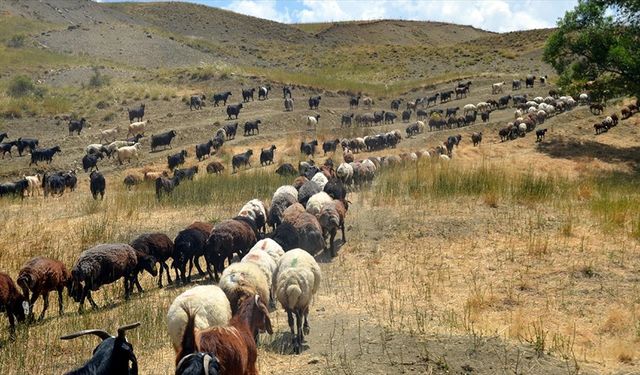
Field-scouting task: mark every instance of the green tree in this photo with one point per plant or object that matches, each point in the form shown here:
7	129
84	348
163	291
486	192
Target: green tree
20	86
598	41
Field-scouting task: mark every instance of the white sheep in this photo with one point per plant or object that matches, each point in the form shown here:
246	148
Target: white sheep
267	265
312	121
34	184
115	145
517	113
538	99
531	103
497	87
583	98
320	179
315	203
482	107
242	280
255	209
136	128
128	152
108	134
298	280
469	108
345	173
271	247
532	110
284	197
208	303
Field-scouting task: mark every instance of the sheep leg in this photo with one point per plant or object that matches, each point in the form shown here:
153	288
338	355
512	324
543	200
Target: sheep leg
169	281
12	325
90	298
294	335
32	302
299	329
137	284
344	239
306	327
45	297
331	244
162	265
60	306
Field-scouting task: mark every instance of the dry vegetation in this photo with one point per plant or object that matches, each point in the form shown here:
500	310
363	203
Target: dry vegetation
514	257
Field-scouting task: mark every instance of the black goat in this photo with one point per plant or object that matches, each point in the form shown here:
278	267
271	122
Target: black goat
76	126
97	184
308	148
406	114
540	133
15	188
197	102
176	159
247	94
231	130
3	136
330	146
203	149
90	161
250	127
166	185
286	169
314	102
53	184
186	173
354	101
24	143
70	179
263	92
241	159
266	156
163	139
111	356
6	147
234	110
136	113
476	138
286	90
347	118
45	154
221	97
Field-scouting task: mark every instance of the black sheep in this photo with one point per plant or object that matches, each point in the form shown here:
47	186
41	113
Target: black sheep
136	113
97	184
163	139
266	156
158	246
76	126
234	110
176	159
335	189
221	97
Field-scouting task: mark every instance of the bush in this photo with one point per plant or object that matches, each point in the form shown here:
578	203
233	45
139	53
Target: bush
20	86
16	41
98	79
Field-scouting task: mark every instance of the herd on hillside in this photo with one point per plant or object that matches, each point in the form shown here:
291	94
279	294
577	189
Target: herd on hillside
214	328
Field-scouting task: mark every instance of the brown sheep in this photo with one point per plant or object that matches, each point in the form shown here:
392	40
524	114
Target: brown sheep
626	113
12	302
309	233
189	246
159	246
299	181
292	212
331	218
236	235
215	167
40	276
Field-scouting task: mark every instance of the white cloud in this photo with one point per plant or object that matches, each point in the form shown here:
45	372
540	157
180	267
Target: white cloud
266	9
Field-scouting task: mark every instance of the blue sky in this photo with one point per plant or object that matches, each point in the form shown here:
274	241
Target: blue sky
493	15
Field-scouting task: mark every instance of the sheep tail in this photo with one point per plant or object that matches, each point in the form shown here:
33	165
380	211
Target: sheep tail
293	295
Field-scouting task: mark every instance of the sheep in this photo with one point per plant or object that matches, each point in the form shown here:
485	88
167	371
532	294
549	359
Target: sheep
90	161
215	167
390	117
283	197
288	104
267	265
316	202
476	138
497	87
307	190
115	145
12	302
255	209
320	179
596	108
314	102
131	180
583	98
626	112
111	133
43	154
128	152
152	176
269	246
166	185
345	173
40	276
173	161
221	97
96	148
331	217
236	235
137	128
247	94
469	108
246	279
241	159
197	102
163	139
250	127
232	348
76	126
101	265
203	150
207	303
156	245
312	121
136	113
111	356
233	110
189	246
97	184
298	280
307	227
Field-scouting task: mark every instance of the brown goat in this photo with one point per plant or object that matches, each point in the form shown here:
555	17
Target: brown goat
40	276
12	302
157	245
234	346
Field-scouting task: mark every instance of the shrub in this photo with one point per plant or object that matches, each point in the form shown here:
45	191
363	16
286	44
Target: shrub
16	41
20	86
98	79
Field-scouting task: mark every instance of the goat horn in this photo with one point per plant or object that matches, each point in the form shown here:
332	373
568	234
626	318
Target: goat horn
257	300
122	329
205	363
98	332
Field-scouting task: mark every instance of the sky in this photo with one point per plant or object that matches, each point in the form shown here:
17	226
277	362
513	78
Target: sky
492	15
